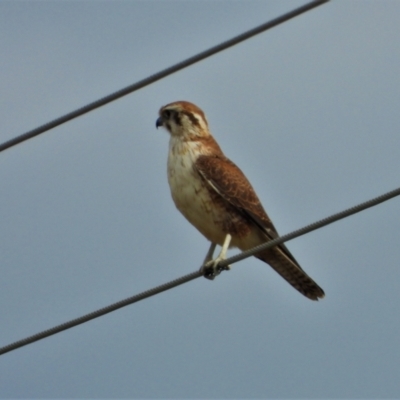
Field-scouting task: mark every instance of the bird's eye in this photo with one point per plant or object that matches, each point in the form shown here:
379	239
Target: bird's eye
166	114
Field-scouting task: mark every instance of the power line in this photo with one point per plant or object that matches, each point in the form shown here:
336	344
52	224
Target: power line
162	74
100	312
312	227
196	274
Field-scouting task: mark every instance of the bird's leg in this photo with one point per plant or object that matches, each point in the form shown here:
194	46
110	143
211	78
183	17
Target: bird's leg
210	253
210	267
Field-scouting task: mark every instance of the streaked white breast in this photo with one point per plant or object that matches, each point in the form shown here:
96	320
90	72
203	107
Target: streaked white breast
190	195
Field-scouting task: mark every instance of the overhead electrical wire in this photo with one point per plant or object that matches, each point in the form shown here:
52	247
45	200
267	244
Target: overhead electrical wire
196	274
162	74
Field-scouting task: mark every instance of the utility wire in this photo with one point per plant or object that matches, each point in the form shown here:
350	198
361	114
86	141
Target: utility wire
162	74
100	312
312	227
196	274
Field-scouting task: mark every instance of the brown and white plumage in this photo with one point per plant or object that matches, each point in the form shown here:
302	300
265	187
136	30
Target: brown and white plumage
215	196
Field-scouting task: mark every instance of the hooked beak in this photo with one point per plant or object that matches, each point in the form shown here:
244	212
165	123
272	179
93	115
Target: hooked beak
159	122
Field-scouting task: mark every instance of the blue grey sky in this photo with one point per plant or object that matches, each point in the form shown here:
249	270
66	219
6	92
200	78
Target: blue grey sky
309	111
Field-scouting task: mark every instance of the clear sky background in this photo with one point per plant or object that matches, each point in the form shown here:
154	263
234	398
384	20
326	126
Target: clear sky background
310	112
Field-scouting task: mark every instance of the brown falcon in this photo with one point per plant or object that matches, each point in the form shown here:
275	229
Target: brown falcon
215	196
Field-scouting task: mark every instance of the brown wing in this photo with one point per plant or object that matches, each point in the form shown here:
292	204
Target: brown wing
226	179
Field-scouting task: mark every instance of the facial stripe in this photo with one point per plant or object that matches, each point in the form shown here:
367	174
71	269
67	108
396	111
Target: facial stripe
192	118
177	118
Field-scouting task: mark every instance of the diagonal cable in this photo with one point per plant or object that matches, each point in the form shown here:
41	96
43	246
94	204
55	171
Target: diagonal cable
162	74
312	227
100	312
196	274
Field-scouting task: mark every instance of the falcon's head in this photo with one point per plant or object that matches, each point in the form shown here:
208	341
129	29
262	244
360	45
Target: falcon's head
183	120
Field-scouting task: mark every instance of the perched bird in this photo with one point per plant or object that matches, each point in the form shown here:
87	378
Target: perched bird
215	196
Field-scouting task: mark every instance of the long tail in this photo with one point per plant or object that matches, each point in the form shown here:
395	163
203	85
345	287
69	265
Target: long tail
290	270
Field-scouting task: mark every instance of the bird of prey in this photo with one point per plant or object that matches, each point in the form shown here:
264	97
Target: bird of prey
215	196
